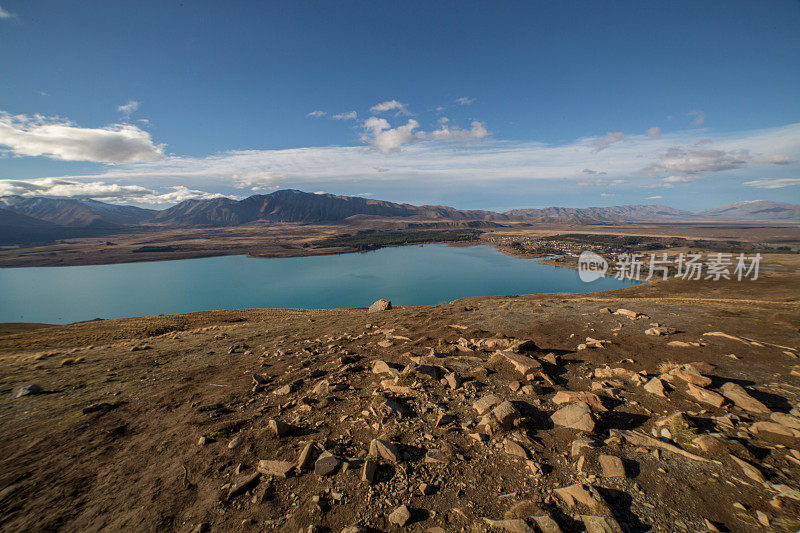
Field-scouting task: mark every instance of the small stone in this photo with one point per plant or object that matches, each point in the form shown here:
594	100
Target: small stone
281	469
576	415
578	445
705	396
443	420
385	449
512	448
695	378
425	489
774	429
506	414
749	470
202	440
236	442
26	390
612	466
306	457
741	399
483	405
280	429
453	380
400	516
436	456
655	386
509	525
326	464
369	471
589	398
785	420
710	445
242	484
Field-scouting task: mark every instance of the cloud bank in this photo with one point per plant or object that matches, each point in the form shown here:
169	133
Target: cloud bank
58	139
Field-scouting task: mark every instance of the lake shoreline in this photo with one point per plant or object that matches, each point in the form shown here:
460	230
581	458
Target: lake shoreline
407	275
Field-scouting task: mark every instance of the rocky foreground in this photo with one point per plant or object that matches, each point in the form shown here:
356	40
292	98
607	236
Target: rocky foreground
601	413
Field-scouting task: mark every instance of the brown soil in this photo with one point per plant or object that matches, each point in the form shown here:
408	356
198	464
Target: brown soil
112	443
290	240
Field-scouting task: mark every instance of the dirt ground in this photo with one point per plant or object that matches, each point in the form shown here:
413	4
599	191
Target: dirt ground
112	441
289	240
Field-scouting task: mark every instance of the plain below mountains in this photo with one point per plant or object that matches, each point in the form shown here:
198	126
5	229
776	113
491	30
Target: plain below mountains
39	219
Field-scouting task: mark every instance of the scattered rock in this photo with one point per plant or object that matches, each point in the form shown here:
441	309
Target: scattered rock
512	448
659	331
369	471
486	403
589	398
705	396
278	428
26	390
576	415
749	470
306	457
612	466
509	525
506	414
380	305
521	363
281	469
741	399
384	449
242	484
400	516
655	386
236	442
326	464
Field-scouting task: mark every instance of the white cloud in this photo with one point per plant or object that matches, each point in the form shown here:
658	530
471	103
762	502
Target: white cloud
776	183
602	183
386	139
59	139
257	180
317	114
445	133
390	105
129	108
423	164
679	179
5	14
655	197
654	132
350	115
699	118
99	190
607	140
465	101
698	161
775	160
607	194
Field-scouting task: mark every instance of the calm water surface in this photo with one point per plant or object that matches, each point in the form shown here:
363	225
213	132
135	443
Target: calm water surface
408	275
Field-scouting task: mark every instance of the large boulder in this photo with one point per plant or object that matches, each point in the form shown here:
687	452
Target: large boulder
380	305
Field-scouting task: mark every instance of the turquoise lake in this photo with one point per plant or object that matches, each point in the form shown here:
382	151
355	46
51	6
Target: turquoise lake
407	275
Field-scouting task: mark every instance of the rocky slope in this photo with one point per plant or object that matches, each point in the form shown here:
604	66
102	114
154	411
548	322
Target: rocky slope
624	411
753	210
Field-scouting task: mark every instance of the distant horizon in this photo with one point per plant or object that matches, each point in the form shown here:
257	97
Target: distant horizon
503	211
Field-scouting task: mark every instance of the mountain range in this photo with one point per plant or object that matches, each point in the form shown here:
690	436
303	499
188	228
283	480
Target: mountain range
36	219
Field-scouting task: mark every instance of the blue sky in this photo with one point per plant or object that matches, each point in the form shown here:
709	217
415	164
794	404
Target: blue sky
476	105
